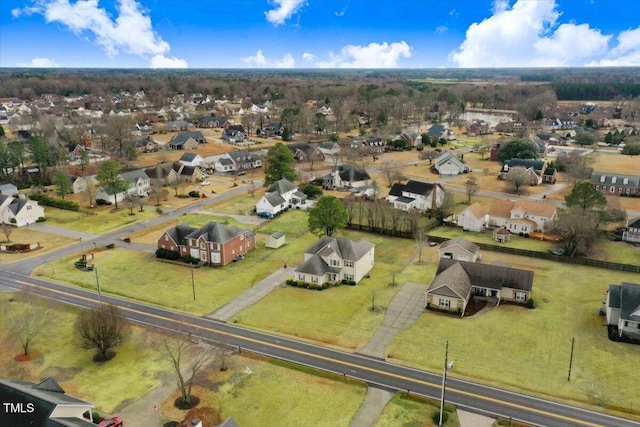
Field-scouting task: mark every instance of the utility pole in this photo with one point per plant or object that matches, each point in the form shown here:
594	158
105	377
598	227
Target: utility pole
447	365
193	285
573	341
98	285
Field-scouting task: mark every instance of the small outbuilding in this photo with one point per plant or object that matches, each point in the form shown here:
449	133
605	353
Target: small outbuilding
501	235
275	240
459	249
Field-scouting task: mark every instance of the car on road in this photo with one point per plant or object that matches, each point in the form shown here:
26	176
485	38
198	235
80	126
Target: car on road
205	183
111	422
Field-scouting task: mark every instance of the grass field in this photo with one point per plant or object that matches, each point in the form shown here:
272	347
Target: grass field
238	205
340	316
528	350
25	235
105	219
410	411
107	385
487	237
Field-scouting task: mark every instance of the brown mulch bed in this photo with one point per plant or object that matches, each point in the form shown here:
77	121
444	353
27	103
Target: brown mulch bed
33	354
474	306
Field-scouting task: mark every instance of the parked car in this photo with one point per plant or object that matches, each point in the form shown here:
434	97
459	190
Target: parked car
242	173
205	183
111	422
265	215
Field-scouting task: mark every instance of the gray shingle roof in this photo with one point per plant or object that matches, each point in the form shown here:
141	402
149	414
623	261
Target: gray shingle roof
188	157
492	276
274	198
418	187
630	302
134	175
452	282
218	233
182	137
463	243
346	249
315	265
282	186
633	181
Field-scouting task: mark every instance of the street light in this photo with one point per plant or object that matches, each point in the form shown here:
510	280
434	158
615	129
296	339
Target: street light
447	365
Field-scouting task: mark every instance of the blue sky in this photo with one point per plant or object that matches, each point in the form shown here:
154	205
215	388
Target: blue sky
319	33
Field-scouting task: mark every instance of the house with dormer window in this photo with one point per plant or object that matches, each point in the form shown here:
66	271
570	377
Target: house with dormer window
522	216
419	195
623	309
213	244
281	195
237	161
333	259
616	184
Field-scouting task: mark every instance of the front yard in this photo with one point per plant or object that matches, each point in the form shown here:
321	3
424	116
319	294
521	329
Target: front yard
26	235
507	344
104	219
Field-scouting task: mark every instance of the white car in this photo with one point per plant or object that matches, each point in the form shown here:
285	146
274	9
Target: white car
205	183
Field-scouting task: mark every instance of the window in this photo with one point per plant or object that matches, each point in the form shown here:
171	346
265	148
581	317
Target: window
612	189
28	207
521	296
348	263
613	179
314	280
348	276
602	178
166	238
597	187
335	263
203	245
625	181
301	277
444	302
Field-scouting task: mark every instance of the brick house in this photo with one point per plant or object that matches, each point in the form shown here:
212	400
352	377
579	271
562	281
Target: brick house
538	170
214	243
612	184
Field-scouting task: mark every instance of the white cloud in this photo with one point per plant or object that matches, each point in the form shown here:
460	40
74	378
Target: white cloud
39	63
287	61
131	31
626	53
373	55
525	34
341	13
308	56
283	11
258	59
441	29
161	61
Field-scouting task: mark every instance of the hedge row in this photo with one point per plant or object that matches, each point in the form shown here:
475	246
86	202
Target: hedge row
55	203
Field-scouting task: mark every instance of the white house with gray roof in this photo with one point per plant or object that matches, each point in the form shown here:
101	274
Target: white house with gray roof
19	211
333	259
139	182
459	249
281	195
623	309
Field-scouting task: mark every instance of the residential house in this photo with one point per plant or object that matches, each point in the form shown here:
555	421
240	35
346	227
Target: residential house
139	182
332	259
280	196
623	309
146	145
559	124
632	232
522	216
537	170
214	122
238	160
214	243
233	134
19	211
448	163
144	128
473	218
186	140
375	145
190	173
511	127
346	176
477	127
419	195
459	249
42	404
457	281
440	131
271	129
303	151
192	159
80	184
8	189
542	143
616	184
178	126
164	173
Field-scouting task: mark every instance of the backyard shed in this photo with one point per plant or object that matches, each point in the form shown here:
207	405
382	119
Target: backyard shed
275	240
501	235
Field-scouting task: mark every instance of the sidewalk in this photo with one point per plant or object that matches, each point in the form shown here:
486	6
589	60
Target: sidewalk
372	407
252	295
403	311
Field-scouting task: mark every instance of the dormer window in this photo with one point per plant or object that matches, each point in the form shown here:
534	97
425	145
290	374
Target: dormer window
613	179
602	178
625	181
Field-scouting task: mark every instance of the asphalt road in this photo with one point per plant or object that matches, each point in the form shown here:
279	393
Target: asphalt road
466	395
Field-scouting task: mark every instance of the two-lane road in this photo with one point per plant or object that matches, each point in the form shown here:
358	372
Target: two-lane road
470	396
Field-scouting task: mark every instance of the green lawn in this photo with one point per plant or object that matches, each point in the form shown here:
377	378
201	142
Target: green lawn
238	205
487	238
267	394
529	350
106	385
339	316
291	223
105	220
620	252
24	235
410	411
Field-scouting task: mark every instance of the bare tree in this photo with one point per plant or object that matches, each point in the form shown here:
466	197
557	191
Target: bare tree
393	173
518	176
102	328
483	150
578	166
7	229
429	155
184	354
159	194
130	201
446	207
421	239
90	191
471	187
30	320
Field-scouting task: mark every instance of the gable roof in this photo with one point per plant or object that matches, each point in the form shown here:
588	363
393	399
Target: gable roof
461	242
282	186
396	189
351	173
630	302
436	130
535	208
189	157
634	223
218	233
451	282
181	137
491	276
345	248
134	175
501	208
536	165
633	181
180	232
477	210
315	265
419	187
